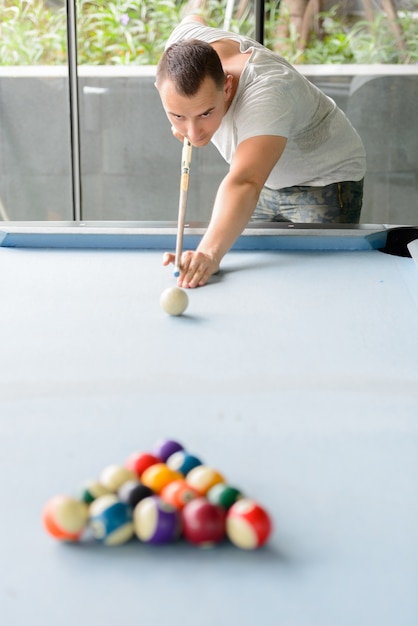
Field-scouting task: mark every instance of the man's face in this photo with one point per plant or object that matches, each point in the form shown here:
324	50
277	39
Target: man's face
196	117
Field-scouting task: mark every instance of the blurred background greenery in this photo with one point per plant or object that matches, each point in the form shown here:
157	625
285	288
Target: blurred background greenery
133	32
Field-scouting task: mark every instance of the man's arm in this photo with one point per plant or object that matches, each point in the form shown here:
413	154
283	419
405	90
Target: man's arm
194	18
235	202
193	10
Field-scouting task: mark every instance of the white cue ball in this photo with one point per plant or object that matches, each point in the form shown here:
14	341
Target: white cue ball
174	301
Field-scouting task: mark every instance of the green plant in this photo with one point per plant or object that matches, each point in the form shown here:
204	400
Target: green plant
31	33
134	32
342	41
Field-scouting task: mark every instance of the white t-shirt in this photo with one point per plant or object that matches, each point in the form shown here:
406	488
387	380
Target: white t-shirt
273	98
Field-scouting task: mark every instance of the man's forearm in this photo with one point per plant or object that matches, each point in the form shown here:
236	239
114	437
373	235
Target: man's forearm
233	208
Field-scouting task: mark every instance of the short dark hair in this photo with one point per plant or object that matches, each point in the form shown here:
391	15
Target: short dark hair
187	63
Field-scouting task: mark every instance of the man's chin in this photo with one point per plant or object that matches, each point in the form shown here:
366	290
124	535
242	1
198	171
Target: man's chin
202	143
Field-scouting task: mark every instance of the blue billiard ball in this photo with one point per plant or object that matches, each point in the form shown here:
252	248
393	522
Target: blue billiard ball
111	520
182	461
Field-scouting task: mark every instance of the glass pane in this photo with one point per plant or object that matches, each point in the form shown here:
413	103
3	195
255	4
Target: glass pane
35	173
360	53
130	162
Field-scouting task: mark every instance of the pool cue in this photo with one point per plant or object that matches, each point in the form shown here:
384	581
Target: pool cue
186	157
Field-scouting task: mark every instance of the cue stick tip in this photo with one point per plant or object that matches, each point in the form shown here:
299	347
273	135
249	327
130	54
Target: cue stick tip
176	272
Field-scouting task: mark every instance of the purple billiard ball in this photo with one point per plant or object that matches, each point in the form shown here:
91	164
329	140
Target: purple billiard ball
156	522
164	448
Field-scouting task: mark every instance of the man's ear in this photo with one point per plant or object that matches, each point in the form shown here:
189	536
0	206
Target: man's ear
229	81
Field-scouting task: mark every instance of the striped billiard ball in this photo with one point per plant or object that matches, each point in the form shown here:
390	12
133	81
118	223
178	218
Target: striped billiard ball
224	495
111	521
113	476
183	462
248	525
156	521
65	518
91	490
203	478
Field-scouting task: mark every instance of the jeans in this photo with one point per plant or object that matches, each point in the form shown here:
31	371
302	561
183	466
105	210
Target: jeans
338	203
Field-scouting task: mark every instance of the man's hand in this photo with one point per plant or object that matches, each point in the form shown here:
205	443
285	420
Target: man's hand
195	268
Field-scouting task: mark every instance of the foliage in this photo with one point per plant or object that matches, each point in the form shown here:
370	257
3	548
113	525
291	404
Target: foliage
134	32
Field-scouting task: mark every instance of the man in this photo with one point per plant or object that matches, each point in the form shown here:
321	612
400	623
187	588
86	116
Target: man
293	154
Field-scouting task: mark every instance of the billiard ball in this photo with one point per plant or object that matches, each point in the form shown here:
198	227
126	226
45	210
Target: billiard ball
133	492
248	525
203	522
91	490
183	462
156	521
203	478
158	476
164	448
65	518
139	461
111	520
178	493
224	495
113	477
174	301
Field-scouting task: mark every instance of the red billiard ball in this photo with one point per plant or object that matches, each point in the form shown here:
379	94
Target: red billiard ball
65	518
203	522
178	493
156	521
138	462
248	525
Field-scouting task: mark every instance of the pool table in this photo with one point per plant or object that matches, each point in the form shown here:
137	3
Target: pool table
294	372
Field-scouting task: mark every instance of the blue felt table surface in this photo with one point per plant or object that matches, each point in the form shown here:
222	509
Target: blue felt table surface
293	373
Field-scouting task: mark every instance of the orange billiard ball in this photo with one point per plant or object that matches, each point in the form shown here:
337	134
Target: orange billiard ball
179	493
65	518
158	476
248	525
203	478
